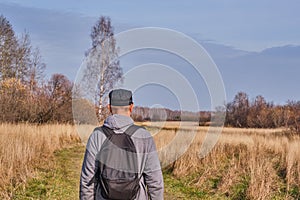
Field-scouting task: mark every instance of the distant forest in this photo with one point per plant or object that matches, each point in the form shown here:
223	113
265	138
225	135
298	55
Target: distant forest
26	96
241	113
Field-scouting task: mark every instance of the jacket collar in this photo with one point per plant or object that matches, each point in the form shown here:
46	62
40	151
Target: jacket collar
118	122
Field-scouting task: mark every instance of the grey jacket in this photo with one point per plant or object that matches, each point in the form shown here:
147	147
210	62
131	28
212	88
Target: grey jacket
149	166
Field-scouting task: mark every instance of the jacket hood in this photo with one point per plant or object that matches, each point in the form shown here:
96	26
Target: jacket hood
118	122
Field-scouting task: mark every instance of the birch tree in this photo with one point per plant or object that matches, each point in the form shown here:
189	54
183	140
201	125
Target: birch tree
103	66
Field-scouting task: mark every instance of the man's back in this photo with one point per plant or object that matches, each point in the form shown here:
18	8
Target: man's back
148	162
118	166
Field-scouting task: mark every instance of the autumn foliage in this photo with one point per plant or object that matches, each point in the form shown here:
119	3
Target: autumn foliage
259	113
25	96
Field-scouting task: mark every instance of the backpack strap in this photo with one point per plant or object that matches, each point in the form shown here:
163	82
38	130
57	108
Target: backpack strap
132	129
107	131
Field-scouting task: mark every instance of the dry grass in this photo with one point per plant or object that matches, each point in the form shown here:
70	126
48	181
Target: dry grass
244	164
24	147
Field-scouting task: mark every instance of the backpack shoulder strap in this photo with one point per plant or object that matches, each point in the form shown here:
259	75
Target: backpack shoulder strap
107	131
132	129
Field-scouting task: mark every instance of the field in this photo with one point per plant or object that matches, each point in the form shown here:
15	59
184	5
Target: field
26	148
244	164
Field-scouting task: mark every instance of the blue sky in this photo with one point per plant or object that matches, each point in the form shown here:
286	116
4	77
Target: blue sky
235	33
250	25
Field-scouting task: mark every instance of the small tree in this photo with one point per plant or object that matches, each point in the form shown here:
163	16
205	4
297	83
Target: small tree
36	70
17	57
13	100
294	116
103	66
238	110
8	49
22	58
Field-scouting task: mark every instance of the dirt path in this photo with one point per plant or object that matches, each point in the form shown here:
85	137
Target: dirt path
61	181
57	179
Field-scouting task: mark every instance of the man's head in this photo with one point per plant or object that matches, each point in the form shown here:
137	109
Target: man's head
120	102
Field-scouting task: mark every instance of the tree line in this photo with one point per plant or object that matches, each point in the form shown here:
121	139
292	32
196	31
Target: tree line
240	112
259	113
164	114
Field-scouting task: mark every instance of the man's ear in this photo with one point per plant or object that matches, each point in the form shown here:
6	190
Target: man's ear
109	107
131	107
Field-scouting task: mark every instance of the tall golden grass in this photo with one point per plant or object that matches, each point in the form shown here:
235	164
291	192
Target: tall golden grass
24	147
244	164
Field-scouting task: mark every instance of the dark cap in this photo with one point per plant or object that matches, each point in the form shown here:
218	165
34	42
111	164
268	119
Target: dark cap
120	97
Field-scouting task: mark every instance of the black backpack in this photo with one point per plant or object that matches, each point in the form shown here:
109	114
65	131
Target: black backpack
117	165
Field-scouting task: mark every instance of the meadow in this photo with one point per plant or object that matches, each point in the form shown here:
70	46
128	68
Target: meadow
244	164
25	148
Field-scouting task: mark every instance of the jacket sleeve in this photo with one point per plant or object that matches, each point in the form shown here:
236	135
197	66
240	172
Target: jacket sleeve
153	174
87	190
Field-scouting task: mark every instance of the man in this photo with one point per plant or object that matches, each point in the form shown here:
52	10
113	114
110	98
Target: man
149	170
